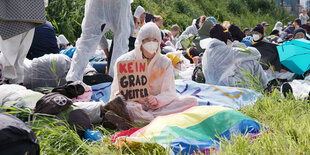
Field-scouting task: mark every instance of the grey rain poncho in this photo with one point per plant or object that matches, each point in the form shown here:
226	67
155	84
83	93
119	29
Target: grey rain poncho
223	65
116	15
41	72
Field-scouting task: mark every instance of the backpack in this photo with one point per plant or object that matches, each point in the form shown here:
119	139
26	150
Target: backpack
187	42
198	74
16	137
52	103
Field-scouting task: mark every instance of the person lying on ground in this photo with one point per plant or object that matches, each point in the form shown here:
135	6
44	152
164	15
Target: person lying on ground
50	70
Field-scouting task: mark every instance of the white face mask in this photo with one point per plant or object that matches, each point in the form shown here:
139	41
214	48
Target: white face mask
256	37
151	47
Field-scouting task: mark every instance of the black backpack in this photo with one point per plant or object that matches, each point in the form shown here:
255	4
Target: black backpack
16	137
198	74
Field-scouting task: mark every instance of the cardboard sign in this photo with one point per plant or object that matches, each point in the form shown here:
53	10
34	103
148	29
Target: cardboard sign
132	79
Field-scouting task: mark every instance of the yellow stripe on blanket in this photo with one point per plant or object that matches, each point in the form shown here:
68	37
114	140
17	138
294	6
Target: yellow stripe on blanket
190	117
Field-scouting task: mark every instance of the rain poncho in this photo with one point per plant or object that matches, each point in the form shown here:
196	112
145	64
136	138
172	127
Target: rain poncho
116	15
160	78
189	31
139	11
278	26
223	65
49	70
13	95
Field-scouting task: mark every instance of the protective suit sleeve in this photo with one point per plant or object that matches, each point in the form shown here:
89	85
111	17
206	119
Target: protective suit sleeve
168	91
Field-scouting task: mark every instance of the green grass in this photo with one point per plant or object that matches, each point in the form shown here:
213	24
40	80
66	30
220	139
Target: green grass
287	121
67	15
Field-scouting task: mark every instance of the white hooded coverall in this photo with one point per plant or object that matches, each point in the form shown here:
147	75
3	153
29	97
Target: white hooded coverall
161	81
116	16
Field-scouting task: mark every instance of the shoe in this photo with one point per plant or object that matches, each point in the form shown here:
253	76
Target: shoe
96	79
116	112
286	89
120	122
4	81
118	106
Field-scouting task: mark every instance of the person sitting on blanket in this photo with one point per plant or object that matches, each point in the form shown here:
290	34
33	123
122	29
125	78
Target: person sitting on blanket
226	66
163	99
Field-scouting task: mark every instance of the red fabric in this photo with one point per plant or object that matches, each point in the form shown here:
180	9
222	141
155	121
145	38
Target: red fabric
162	44
123	133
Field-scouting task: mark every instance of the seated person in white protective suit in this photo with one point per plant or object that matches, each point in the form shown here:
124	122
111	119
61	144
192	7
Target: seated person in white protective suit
223	65
163	99
106	14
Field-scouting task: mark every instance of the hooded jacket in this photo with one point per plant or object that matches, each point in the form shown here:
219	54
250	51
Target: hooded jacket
269	55
159	70
139	11
223	65
160	80
278	26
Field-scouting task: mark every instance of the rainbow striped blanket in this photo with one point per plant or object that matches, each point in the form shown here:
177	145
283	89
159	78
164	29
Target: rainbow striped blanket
196	129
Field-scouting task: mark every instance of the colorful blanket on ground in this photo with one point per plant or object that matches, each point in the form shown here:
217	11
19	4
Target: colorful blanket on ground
231	97
196	129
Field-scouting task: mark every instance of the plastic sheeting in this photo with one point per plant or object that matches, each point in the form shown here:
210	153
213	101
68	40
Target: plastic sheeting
92	109
47	71
18	96
116	14
223	65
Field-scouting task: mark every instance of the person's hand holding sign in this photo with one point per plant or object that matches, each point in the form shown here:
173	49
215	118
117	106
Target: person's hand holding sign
152	101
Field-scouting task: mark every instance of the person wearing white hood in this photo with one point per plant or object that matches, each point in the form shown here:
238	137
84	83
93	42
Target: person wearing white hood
191	30
140	15
278	26
163	99
224	65
99	17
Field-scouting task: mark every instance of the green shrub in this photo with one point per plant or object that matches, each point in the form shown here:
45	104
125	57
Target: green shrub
67	15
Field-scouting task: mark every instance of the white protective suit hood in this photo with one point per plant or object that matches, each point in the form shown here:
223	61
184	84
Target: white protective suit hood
278	26
139	11
149	30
